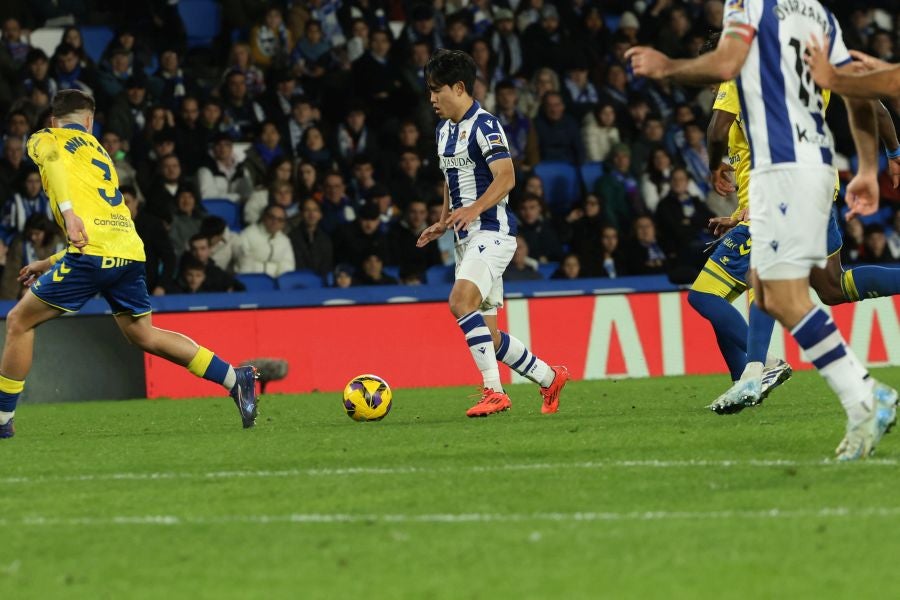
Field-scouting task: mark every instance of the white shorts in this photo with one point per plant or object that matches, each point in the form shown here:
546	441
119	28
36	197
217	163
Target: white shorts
790	207
482	258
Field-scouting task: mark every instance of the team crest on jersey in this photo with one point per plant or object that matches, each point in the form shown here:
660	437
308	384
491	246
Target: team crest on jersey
494	139
463	135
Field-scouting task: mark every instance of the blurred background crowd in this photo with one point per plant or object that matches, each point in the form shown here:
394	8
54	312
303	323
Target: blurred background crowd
294	141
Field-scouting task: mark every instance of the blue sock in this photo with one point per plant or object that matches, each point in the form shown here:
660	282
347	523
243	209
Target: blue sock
759	335
729	326
10	390
861	283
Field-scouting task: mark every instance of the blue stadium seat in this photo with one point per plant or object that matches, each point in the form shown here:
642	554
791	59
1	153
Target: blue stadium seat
393	272
202	21
591	172
547	269
882	162
561	186
439	274
228	210
96	39
612	21
300	280
257	282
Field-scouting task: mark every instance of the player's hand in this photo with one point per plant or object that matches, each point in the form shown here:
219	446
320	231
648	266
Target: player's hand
816	56
75	229
460	218
894	171
870	63
430	234
30	272
862	195
647	62
721	225
721	179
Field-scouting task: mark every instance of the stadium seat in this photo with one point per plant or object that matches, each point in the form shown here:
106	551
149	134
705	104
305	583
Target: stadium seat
228	210
561	185
257	282
439	274
612	21
392	272
300	280
547	269
202	21
46	38
591	172
96	39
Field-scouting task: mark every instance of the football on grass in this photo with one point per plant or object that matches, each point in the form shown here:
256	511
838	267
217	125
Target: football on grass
367	398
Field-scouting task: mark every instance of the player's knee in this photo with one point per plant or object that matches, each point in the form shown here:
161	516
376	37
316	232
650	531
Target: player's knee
15	325
461	304
140	337
695	298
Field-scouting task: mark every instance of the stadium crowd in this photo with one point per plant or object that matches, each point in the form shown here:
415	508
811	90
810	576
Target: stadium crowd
301	137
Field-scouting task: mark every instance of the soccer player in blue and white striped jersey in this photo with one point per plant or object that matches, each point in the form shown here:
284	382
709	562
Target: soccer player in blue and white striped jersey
474	156
763	47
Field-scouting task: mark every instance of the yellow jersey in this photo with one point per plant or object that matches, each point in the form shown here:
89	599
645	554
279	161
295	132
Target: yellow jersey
727	100
89	181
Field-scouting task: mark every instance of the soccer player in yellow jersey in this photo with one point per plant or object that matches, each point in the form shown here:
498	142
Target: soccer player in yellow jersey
104	255
724	277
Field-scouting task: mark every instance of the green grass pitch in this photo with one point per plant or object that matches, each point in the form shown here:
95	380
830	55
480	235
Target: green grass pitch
633	490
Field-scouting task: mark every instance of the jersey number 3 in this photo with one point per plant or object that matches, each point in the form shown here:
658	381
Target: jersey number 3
116	198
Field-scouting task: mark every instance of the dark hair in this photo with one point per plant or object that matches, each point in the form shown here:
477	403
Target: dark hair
67	102
197	237
712	41
212	226
128	189
192	264
506	84
447	67
41	222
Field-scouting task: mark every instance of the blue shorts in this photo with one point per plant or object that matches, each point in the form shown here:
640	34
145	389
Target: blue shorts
77	278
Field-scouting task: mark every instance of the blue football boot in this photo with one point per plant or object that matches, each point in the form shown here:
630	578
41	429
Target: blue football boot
7	430
244	394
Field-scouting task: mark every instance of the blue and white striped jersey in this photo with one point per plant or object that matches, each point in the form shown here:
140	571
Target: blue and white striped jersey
466	149
783	108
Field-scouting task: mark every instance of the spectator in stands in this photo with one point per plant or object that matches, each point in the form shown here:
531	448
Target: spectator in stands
893	236
311	54
683	115
222	242
652	137
283	196
39	240
336	206
671	39
421	28
388	213
402	238
519	128
72	36
545	42
192	279
354	137
363	178
358	43
682	219
612	260
314	149
354	241
409	184
303	116
379	82
239	59
162	195
270	41
36	73
127	113
70	74
413	74
112	143
187	218
600	132
854	237
13	167
569	268
171	85
308	181
695	157
373	272
655	183
278	100
457	34
586	231
542	239
139	55
632	125
522	267
241	114
191	137
158	119
343	276
559	137
505	42
163	144
17	125
31	200
263	153
581	97
264	248
113	74
619	189
221	176
410	138
544	81
615	88
486	63
875	249
15	43
160	262
214	278
312	246
644	255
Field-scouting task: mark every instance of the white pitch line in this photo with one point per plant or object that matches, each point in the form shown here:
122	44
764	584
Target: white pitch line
407	470
456	518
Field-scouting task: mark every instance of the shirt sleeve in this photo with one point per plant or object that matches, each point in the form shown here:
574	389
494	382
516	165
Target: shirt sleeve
727	99
491	140
838	54
741	18
43	149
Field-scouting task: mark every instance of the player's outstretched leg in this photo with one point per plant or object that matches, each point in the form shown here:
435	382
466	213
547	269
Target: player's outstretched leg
18	351
835	286
552	379
464	302
728	325
239	382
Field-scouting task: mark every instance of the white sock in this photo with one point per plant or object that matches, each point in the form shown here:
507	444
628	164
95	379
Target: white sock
517	357
230	379
847	377
6	416
772	361
753	370
481	344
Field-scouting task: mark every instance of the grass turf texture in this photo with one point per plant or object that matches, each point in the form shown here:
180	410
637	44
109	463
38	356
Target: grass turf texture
627	492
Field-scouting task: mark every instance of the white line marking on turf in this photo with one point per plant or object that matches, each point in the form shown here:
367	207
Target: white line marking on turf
406	470
338	518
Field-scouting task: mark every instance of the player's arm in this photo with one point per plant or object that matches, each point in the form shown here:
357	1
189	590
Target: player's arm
883	82
862	192
888	134
504	180
717	148
436	230
722	64
44	151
